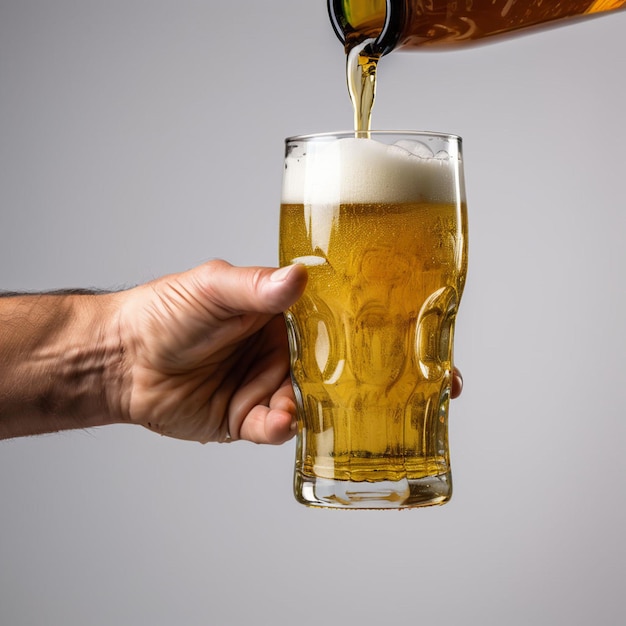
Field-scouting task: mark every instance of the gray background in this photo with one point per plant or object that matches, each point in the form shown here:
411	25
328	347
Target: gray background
143	137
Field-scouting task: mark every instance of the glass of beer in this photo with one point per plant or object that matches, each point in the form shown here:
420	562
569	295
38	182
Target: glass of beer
379	220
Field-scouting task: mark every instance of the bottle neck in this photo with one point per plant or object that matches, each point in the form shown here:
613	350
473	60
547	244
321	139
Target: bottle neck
380	20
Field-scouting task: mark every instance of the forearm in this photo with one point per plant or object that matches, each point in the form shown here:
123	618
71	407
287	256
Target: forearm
59	363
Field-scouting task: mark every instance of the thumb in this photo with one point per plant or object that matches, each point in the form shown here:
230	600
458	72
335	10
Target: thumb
237	290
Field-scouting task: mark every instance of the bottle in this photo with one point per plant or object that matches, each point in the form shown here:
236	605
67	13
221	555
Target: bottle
415	24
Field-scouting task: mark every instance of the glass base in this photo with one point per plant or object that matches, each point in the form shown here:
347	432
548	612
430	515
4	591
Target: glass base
345	494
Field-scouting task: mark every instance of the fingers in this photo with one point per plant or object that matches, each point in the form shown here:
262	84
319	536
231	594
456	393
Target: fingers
457	383
237	290
268	426
274	424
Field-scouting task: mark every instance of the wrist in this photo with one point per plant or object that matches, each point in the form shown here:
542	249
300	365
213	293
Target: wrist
92	375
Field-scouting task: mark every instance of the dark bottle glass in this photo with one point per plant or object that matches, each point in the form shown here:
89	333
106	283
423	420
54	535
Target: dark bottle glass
415	24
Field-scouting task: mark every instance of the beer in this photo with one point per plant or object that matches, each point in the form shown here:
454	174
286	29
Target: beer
361	66
383	235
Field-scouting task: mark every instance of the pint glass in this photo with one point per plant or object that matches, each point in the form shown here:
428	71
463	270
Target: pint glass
380	223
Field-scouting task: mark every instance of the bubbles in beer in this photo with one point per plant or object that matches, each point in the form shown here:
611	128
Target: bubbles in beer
364	170
416	148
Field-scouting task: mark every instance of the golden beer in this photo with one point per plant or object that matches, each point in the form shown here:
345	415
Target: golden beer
372	336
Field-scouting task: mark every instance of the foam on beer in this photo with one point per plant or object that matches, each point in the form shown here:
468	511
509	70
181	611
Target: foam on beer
358	170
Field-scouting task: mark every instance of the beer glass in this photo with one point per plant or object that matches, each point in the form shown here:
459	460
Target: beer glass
379	220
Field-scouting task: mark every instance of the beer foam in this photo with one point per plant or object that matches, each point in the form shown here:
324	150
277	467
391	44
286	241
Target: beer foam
358	170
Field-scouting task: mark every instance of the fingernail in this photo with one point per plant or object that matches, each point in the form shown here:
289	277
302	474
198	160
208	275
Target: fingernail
281	274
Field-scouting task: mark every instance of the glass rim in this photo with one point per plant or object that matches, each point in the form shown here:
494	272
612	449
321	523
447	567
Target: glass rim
345	134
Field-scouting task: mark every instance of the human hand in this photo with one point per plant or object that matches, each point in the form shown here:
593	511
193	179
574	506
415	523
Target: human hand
206	355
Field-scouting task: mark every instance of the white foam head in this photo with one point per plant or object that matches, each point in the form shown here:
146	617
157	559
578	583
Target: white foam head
351	170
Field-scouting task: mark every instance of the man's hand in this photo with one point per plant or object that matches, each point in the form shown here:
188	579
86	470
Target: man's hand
206	355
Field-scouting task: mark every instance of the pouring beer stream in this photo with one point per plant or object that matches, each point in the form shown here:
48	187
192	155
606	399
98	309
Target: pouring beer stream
369	29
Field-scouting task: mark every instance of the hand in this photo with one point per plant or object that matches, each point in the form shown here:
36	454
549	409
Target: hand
206	355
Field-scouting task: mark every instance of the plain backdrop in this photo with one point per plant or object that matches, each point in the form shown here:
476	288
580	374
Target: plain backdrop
141	137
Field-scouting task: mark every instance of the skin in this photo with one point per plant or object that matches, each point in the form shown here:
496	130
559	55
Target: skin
201	355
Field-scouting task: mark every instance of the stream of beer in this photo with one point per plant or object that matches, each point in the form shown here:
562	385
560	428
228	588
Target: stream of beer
361	65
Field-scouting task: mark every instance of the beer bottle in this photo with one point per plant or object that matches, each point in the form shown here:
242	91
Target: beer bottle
416	24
